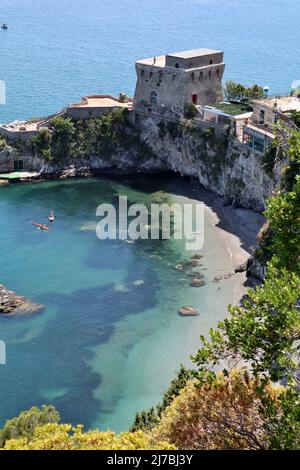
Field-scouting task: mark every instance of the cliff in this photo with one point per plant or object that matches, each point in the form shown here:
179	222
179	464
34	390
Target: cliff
218	160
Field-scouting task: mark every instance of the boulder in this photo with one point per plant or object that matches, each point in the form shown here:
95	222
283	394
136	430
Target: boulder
188	311
10	303
196	282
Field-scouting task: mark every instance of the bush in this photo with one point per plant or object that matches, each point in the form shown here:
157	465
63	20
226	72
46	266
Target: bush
190	111
24	425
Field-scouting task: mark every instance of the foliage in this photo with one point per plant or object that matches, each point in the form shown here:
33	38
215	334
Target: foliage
3	143
41	143
66	437
283	211
238	92
190	111
103	136
223	414
24	425
148	419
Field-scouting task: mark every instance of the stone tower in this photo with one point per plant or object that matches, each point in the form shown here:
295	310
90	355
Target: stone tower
166	83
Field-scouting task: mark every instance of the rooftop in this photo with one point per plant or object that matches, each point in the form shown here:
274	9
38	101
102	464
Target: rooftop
194	53
160	61
282	103
100	101
233	109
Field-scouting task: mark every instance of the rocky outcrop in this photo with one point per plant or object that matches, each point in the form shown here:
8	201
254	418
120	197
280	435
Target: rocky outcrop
219	162
10	303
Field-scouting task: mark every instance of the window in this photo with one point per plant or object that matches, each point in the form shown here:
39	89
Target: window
142	73
210	62
201	76
218	73
193	76
259	144
176	66
261	116
209	74
153	98
194	98
248	139
18	165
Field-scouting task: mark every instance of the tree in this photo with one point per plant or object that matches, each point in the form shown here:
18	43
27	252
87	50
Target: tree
148	419
24	425
234	91
190	111
62	138
223	414
66	437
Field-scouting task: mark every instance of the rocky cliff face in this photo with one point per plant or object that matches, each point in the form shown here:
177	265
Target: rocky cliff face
218	161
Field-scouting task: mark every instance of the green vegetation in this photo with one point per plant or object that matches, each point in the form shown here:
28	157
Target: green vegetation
233	109
24	426
3	143
149	419
234	91
67	140
244	391
190	111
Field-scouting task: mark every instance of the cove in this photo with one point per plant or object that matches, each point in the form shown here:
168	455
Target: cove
110	338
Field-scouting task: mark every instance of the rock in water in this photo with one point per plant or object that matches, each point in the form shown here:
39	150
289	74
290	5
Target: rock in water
188	311
196	282
139	282
10	303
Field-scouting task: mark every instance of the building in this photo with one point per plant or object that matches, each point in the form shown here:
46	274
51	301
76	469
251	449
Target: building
267	112
235	115
258	134
94	106
166	83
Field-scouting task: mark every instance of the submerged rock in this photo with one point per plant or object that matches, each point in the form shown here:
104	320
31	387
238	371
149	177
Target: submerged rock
121	288
10	303
196	282
179	267
139	282
188	311
217	278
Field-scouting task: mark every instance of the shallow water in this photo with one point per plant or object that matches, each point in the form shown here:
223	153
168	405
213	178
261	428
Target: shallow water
105	345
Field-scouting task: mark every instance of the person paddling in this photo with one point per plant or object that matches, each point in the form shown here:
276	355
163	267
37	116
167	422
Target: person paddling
51	216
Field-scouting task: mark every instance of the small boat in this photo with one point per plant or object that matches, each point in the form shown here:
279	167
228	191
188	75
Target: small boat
4	26
40	226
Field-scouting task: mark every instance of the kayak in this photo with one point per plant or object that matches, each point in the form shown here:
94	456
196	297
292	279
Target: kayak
41	226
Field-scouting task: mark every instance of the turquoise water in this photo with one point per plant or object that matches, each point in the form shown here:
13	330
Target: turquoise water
103	347
55	51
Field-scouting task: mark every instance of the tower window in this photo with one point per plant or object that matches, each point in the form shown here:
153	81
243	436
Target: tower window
218	73
142	73
201	76
176	66
211	61
153	98
193	76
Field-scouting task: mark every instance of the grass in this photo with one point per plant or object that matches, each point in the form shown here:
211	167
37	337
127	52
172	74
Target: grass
234	109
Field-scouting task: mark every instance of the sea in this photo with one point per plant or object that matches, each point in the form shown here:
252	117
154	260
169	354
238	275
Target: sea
109	338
